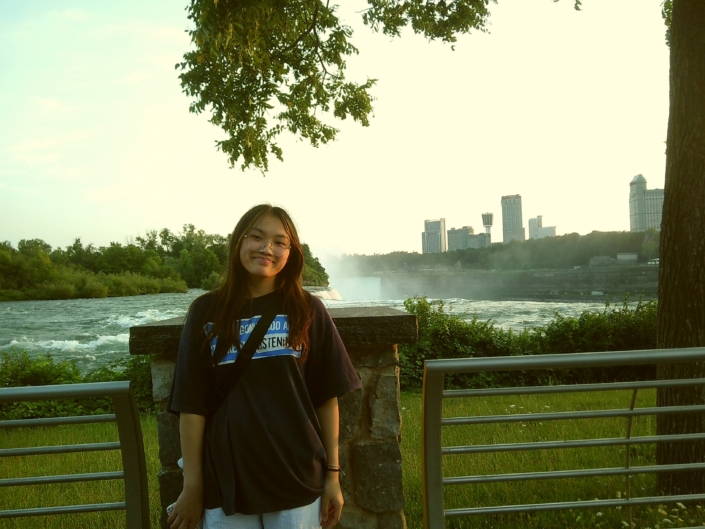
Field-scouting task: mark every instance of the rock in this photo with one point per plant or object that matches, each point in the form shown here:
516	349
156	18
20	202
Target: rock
392	520
374	326
384	408
169	439
374	356
350	407
381	489
162	375
352	519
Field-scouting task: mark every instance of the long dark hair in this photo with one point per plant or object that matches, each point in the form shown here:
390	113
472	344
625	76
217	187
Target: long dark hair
233	294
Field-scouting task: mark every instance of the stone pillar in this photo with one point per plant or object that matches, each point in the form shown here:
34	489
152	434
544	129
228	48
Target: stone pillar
370	419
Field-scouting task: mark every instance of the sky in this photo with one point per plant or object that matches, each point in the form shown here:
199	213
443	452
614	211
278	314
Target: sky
560	106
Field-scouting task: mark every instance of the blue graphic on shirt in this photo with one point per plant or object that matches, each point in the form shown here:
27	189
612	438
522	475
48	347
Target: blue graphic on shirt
274	343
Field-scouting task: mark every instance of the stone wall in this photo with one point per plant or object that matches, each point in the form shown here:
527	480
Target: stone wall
370	419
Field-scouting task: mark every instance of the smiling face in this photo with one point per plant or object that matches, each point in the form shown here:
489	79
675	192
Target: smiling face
261	264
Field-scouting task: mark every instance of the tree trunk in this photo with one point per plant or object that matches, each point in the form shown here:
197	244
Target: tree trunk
681	305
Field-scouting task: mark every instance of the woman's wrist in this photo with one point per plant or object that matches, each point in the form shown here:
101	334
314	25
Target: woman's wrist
194	484
332	477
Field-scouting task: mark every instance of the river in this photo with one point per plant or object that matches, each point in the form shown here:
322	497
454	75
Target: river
96	331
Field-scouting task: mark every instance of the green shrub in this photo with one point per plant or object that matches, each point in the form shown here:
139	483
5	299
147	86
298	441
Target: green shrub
613	329
93	289
137	370
59	290
12	295
442	335
129	284
170	284
18	369
211	281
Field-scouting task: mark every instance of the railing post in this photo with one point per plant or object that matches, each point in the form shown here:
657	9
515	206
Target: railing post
432	470
133	461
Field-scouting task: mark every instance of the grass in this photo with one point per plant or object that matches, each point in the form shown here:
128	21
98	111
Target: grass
73	493
526	492
656	517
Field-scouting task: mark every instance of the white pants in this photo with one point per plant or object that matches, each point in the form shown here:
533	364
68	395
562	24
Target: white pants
306	517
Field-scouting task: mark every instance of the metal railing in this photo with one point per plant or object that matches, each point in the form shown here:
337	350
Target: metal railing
433	422
130	444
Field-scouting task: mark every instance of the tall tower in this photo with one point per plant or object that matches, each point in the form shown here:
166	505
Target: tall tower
512	224
433	238
487	221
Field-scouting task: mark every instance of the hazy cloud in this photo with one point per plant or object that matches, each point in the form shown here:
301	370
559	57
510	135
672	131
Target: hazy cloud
150	32
136	77
106	194
73	15
53	104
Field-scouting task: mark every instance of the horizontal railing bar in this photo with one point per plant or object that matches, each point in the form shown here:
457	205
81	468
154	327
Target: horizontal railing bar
58	449
57	421
573	388
565	415
66	509
64	391
563	474
564	506
64	478
557	361
579	443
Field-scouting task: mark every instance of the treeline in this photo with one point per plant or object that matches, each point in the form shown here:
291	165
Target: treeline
161	261
565	251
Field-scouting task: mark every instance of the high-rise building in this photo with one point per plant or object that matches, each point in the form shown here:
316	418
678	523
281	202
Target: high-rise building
534	225
546	231
433	238
512	224
465	237
645	205
538	231
458	239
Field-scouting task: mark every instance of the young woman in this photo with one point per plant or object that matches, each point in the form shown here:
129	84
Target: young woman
267	458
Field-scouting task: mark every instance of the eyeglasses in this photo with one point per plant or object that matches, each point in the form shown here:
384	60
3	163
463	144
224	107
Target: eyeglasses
256	243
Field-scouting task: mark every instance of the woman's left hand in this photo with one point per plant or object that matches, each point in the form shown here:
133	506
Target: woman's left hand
331	501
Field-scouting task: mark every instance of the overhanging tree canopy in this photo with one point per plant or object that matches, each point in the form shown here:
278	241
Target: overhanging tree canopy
261	67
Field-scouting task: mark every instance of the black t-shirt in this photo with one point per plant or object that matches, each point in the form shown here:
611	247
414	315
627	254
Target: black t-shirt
263	450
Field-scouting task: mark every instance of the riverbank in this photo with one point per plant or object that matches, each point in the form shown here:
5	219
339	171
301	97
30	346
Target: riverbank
82	284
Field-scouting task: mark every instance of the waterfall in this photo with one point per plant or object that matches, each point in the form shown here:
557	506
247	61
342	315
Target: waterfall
352	288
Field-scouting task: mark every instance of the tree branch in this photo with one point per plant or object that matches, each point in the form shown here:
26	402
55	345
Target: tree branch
312	27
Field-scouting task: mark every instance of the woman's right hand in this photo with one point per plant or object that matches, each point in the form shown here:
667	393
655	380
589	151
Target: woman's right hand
188	509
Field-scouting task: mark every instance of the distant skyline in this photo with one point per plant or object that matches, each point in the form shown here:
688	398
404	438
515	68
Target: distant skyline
561	107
